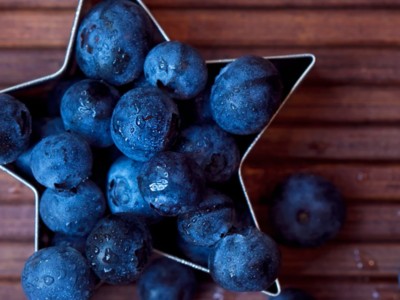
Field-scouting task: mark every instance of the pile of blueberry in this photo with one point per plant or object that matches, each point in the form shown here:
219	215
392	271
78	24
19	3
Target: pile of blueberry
142	139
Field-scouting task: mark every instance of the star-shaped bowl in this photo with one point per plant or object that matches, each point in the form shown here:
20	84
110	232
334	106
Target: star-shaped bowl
293	69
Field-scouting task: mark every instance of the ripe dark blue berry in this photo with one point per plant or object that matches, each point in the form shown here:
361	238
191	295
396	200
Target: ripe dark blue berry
306	210
293	294
123	190
209	221
245	95
41	129
59	273
165	279
118	248
245	261
61	161
113	41
15	128
176	68
171	183
86	109
213	149
73	212
145	121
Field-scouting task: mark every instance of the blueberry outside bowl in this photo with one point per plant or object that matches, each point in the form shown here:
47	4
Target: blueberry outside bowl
293	69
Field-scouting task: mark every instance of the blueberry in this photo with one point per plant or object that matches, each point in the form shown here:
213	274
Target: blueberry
307	210
59	273
293	294
171	183
123	190
245	95
41	128
245	261
213	149
86	109
209	222
15	128
113	41
118	248
73	212
176	68
76	242
165	279
197	254
145	121
61	161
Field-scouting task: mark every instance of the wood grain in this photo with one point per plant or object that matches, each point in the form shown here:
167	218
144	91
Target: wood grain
305	27
17	66
229	27
272	3
12	258
17	222
35	5
355	143
14	192
35	29
360	182
212	4
372	260
347	289
338	104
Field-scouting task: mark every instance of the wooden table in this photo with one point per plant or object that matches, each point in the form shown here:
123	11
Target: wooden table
343	123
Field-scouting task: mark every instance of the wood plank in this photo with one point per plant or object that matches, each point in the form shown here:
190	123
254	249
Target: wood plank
357	182
43	4
12	258
364	222
11	290
345	290
375	143
337	104
229	27
370	260
35	28
214	3
265	27
272	3
14	192
17	222
21	65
